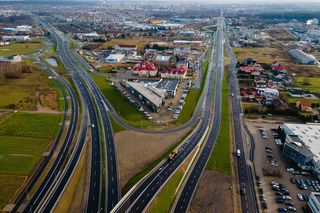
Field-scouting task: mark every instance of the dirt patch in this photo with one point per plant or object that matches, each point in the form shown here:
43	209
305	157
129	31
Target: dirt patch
137	150
48	98
264	55
281	34
305	70
213	193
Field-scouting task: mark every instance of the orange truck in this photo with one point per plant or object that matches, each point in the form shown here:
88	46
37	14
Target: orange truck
172	155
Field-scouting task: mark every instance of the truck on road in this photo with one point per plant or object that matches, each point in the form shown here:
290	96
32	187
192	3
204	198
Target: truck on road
172	155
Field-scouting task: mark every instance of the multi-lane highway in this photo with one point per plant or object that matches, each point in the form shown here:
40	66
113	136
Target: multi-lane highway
66	91
98	199
248	199
49	191
185	196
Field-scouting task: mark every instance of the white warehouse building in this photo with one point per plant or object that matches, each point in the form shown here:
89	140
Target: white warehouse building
115	58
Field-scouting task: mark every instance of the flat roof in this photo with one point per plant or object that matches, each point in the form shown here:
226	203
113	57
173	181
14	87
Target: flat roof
308	133
154	95
168	84
115	57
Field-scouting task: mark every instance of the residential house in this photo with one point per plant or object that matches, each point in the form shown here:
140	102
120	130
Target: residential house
268	93
304	106
260	82
145	69
177	73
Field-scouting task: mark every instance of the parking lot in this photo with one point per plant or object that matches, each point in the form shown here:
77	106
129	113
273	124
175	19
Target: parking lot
279	191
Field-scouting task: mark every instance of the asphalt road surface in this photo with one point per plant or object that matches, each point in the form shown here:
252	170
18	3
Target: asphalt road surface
185	197
245	170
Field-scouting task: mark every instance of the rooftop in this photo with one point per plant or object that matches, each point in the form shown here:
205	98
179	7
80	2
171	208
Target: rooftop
179	70
154	95
145	66
308	133
168	84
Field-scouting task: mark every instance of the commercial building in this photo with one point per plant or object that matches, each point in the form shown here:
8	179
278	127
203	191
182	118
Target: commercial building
302	57
15	38
115	58
314	202
170	86
183	42
298	153
302	145
163	59
314	34
145	69
123	47
11	59
88	36
178	73
147	94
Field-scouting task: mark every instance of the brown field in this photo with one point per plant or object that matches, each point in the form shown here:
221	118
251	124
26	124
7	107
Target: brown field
9	184
23	93
281	34
137	150
263	55
305	70
212	193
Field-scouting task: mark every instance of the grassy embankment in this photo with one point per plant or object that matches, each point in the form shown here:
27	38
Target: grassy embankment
164	200
127	111
220	157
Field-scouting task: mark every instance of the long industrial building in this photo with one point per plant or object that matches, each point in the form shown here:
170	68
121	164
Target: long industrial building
302	57
148	95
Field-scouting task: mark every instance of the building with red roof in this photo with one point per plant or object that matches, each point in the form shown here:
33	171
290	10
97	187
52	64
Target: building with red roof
253	70
276	66
145	68
179	72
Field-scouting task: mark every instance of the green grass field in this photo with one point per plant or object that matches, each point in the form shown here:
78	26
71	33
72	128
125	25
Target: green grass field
9	184
121	104
31	125
312	84
164	200
220	157
20	48
23	139
115	126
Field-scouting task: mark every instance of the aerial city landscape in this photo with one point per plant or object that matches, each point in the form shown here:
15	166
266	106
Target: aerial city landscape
159	106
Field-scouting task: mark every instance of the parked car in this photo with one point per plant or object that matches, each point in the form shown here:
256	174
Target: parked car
264	205
282	210
305	197
293	180
290	169
291	209
288	202
263	197
300	197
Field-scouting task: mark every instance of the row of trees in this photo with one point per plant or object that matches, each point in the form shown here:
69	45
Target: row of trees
13	71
